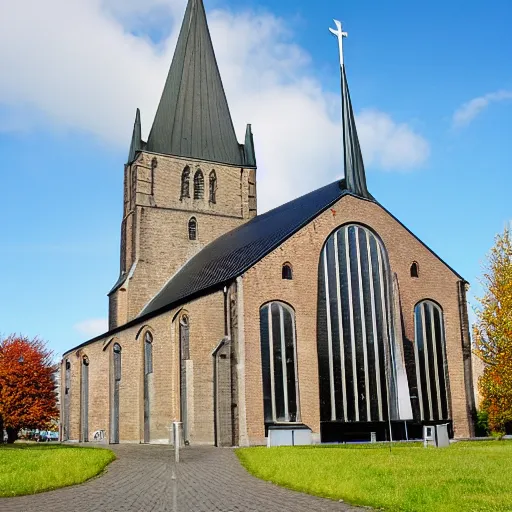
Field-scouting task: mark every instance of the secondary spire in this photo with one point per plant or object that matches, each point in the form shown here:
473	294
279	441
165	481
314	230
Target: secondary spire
355	176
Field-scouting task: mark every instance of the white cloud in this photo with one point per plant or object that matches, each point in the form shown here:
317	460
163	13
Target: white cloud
80	66
92	327
468	111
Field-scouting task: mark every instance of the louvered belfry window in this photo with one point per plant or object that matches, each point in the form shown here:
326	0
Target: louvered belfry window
431	361
279	363
213	187
198	184
185	183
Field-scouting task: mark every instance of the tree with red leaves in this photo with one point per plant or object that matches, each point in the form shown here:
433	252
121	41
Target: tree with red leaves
27	388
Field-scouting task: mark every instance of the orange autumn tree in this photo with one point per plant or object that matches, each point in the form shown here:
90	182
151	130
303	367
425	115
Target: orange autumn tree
27	388
493	334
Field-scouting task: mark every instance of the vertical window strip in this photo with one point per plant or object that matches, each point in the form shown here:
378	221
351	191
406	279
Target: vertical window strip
352	330
283	364
271	351
296	365
363	328
434	351
445	364
425	359
340	326
329	337
417	325
374	327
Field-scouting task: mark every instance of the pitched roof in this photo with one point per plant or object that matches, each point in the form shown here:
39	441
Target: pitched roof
193	118
232	254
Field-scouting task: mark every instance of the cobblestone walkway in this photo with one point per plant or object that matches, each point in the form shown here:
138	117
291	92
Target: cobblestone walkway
145	478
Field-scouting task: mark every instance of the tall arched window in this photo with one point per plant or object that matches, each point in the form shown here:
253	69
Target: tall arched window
213	187
357	353
185	183
148	370
279	363
116	367
67	399
198	184
184	334
84	410
192	229
415	271
431	362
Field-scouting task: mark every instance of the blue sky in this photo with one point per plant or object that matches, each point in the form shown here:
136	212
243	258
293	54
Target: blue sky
431	85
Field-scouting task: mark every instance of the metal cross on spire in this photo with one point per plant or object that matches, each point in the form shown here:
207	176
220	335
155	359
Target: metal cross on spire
340	35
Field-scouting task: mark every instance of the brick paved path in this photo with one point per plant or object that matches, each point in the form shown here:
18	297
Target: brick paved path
145	478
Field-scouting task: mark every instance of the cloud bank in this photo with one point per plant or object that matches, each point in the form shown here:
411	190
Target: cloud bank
87	64
468	111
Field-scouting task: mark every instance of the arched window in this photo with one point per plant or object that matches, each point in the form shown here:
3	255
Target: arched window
192	229
116	367
213	187
358	356
148	353
431	362
279	363
198	184
84	409
415	271
287	272
184	335
185	183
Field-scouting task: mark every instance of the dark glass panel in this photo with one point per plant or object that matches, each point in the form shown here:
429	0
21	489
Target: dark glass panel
380	322
148	354
265	364
322	346
431	361
421	361
335	330
439	331
290	364
278	362
347	336
358	327
365	272
117	362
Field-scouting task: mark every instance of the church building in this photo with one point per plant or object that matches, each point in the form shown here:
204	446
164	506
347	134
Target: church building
325	314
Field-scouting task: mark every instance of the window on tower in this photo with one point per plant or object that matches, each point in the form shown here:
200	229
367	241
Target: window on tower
192	229
185	183
198	184
213	187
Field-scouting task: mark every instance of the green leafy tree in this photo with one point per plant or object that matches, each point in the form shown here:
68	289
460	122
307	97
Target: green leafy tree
493	334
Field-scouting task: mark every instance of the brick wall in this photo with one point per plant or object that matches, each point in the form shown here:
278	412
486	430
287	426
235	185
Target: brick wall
263	283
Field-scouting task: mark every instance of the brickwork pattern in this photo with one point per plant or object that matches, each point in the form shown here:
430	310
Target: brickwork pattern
145	478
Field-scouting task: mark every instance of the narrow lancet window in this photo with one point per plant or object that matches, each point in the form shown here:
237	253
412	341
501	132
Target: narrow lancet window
148	354
415	272
279	363
213	187
192	229
198	184
287	272
85	399
431	362
116	367
185	183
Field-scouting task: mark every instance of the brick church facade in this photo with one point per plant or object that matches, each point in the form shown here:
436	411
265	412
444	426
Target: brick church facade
325	313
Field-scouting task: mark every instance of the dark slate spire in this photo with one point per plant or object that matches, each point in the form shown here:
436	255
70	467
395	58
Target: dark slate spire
136	144
355	176
193	118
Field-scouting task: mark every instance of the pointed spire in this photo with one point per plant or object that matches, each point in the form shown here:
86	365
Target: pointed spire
193	118
249	153
136	144
355	176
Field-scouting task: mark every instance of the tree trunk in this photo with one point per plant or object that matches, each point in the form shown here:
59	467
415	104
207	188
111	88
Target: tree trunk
12	435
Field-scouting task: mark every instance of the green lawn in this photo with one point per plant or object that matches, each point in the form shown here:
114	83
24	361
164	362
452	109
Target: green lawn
467	476
32	468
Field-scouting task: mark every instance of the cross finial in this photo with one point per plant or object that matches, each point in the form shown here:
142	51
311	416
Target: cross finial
340	35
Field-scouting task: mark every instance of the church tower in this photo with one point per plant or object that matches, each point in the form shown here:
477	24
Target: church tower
189	183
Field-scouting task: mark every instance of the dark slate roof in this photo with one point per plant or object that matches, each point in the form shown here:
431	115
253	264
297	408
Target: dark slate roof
232	254
193	118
